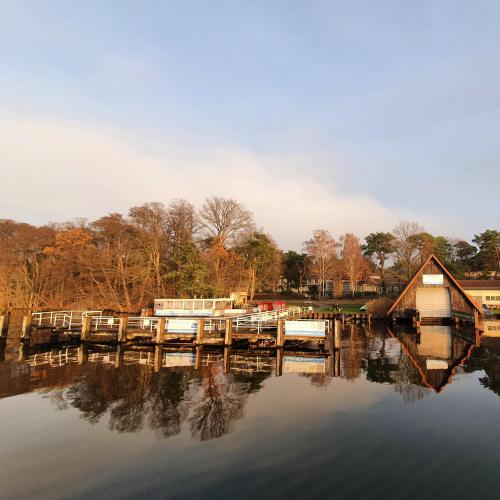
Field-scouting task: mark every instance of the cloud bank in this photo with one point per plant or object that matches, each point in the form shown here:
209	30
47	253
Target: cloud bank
56	170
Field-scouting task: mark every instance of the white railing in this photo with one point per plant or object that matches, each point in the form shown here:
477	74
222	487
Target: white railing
62	319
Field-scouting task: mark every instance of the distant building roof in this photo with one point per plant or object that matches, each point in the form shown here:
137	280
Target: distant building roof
480	284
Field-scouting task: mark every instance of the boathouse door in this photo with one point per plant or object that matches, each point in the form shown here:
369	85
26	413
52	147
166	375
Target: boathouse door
434	302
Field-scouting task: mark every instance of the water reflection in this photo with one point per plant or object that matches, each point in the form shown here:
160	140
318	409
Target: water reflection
206	392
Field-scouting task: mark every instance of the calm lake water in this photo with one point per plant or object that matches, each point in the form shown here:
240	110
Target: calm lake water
391	415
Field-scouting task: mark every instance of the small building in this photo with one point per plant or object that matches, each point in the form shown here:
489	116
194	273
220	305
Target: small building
435	295
483	292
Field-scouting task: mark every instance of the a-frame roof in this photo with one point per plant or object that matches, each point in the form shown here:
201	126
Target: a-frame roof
445	271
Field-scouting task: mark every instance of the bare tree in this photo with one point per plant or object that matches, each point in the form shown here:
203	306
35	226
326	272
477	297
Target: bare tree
322	249
225	219
354	264
406	248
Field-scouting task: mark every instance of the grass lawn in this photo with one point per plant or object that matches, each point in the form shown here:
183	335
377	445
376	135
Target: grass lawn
348	306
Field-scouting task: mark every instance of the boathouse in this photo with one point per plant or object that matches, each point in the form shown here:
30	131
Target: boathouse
434	295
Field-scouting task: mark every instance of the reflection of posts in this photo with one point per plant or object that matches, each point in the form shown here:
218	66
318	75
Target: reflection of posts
26	328
279	362
336	334
227	359
158	357
83	354
120	351
24	351
3	344
280	334
4	325
198	357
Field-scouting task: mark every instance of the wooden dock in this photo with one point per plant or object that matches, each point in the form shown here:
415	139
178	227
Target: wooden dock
265	331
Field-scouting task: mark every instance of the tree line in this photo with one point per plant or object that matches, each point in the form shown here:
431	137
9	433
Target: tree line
124	261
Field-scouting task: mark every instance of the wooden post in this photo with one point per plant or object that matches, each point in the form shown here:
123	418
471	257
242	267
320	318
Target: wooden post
158	356
280	333
4	325
122	329
160	331
228	335
279	362
200	332
26	328
120	351
227	359
86	326
83	354
476	320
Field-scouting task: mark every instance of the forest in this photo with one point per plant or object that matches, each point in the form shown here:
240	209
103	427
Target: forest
124	261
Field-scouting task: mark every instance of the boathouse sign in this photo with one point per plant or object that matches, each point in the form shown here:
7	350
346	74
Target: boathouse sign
433	279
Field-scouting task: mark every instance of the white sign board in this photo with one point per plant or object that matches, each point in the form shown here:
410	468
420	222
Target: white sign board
433	279
305	328
182	325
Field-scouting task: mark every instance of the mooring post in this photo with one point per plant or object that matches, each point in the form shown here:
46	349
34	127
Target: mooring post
4	325
26	328
280	333
227	359
86	326
228	334
160	331
200	332
122	329
279	362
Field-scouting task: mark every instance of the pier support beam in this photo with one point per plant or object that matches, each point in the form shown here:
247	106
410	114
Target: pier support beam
86	326
160	331
122	329
26	328
200	333
4	325
228	334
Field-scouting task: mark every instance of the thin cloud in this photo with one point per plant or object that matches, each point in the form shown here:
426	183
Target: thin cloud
56	170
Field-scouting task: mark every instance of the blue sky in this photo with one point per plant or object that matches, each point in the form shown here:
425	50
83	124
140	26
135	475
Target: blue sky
343	115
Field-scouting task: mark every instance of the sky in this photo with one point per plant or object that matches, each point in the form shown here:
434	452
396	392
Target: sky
346	116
